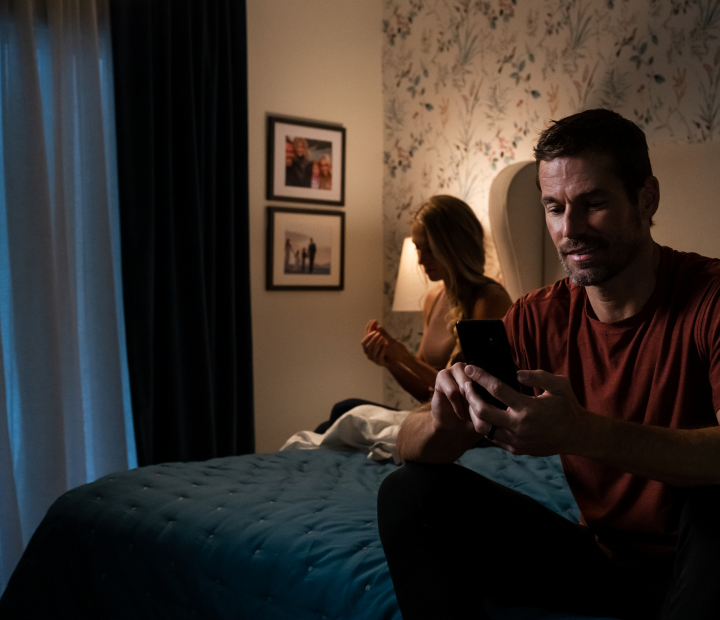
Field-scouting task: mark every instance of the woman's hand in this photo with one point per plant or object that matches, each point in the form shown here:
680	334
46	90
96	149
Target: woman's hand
374	343
381	348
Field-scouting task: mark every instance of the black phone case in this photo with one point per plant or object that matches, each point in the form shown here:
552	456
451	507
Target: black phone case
485	344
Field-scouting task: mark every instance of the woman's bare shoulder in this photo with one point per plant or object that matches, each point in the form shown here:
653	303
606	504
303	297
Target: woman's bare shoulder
492	302
431	297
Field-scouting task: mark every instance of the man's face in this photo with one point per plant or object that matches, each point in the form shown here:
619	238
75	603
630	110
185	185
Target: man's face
289	154
595	227
300	148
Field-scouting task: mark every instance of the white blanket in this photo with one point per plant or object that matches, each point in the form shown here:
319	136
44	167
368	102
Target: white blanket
367	428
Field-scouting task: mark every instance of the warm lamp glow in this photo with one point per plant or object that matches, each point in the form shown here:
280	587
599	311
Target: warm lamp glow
412	283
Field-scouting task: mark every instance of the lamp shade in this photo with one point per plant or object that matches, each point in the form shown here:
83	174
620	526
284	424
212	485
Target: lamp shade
412	283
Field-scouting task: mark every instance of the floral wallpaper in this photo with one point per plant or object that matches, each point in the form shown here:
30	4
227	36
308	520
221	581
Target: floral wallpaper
468	84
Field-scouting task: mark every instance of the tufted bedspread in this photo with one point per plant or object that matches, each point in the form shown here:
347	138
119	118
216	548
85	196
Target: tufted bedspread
288	535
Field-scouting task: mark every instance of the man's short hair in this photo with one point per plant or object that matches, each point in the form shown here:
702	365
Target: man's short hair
601	132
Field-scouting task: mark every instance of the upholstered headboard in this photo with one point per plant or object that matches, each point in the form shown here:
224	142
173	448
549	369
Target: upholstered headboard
688	218
689	215
527	255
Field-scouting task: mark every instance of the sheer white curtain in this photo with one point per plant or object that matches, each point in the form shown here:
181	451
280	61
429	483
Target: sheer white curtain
65	414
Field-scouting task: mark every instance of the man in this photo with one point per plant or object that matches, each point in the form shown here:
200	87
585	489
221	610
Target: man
298	170
624	360
292	174
312	250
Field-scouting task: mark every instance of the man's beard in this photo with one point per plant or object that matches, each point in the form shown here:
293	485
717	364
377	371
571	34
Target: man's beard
619	253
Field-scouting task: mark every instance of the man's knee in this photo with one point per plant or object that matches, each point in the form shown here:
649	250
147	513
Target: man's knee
694	593
700	517
409	494
430	496
403	489
699	536
417	482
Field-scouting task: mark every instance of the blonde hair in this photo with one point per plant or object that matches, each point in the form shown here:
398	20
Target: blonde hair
325	180
456	239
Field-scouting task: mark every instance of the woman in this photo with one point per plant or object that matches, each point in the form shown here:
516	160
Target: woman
449	242
325	172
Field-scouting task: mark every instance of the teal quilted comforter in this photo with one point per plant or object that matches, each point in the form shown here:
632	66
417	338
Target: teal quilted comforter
287	535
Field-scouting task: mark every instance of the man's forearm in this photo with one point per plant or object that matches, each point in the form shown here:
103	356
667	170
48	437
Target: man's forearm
419	439
673	456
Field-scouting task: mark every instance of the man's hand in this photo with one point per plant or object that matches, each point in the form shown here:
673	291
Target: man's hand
442	430
551	423
548	424
449	406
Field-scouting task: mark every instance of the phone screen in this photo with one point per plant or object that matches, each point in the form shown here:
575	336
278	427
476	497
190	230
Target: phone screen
485	344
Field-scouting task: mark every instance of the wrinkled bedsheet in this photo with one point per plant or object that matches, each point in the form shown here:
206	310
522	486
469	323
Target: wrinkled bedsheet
287	535
369	429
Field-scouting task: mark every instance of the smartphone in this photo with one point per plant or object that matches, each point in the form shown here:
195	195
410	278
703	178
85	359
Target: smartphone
485	344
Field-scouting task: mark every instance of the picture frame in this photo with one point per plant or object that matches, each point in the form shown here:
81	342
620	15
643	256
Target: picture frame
305	249
305	162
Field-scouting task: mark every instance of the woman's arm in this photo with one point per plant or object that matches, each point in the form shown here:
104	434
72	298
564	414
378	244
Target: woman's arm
413	373
417	380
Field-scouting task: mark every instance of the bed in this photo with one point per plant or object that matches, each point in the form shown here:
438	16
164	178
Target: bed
270	536
293	534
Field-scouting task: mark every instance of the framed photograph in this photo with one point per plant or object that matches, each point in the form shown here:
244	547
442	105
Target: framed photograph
305	249
306	162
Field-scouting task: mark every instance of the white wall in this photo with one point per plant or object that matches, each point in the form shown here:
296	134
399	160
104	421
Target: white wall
319	60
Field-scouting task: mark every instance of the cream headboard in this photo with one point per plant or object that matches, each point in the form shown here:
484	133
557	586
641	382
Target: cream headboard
689	215
688	218
527	255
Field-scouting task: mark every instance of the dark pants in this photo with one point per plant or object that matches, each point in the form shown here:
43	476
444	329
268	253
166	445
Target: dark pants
453	537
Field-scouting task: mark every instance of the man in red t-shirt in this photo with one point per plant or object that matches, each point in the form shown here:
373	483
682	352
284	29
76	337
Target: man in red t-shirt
624	360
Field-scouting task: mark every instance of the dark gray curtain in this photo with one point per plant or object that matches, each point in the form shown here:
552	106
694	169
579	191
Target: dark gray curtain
180	71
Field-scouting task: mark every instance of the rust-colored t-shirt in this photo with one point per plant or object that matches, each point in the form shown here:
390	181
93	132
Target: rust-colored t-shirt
660	367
